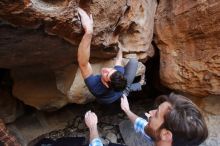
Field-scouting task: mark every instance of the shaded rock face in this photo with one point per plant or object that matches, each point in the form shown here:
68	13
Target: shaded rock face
10	109
187	34
39	41
37	88
33	48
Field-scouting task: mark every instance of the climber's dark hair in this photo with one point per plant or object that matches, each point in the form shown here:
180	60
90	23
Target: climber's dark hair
117	81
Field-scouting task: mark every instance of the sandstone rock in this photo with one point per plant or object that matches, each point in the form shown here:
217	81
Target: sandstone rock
211	105
37	88
118	23
33	48
39	41
187	34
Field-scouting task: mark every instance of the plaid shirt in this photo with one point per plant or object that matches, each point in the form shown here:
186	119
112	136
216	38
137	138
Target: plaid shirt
5	137
139	126
96	142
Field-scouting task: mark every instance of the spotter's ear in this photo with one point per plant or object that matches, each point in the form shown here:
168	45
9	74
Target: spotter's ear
166	135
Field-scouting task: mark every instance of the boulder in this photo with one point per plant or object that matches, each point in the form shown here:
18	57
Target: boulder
39	41
117	24
37	88
187	34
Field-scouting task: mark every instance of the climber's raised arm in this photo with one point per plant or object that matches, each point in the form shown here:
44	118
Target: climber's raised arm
84	46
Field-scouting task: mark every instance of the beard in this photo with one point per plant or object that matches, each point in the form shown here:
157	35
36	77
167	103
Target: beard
153	134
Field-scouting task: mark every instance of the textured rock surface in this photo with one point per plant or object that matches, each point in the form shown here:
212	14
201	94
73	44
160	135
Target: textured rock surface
39	40
188	34
37	123
118	23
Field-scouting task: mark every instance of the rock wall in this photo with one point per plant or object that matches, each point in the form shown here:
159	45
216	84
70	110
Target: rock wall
187	34
39	40
127	24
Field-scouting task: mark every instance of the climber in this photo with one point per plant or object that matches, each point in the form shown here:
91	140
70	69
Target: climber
113	82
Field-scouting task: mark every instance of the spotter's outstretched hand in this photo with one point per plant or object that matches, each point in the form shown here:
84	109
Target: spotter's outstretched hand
91	119
124	104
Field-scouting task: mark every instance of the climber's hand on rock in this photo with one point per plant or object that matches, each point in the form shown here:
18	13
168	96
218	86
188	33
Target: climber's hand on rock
86	20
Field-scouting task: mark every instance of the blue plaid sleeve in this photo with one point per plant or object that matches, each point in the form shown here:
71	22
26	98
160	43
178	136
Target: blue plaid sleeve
96	142
139	126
